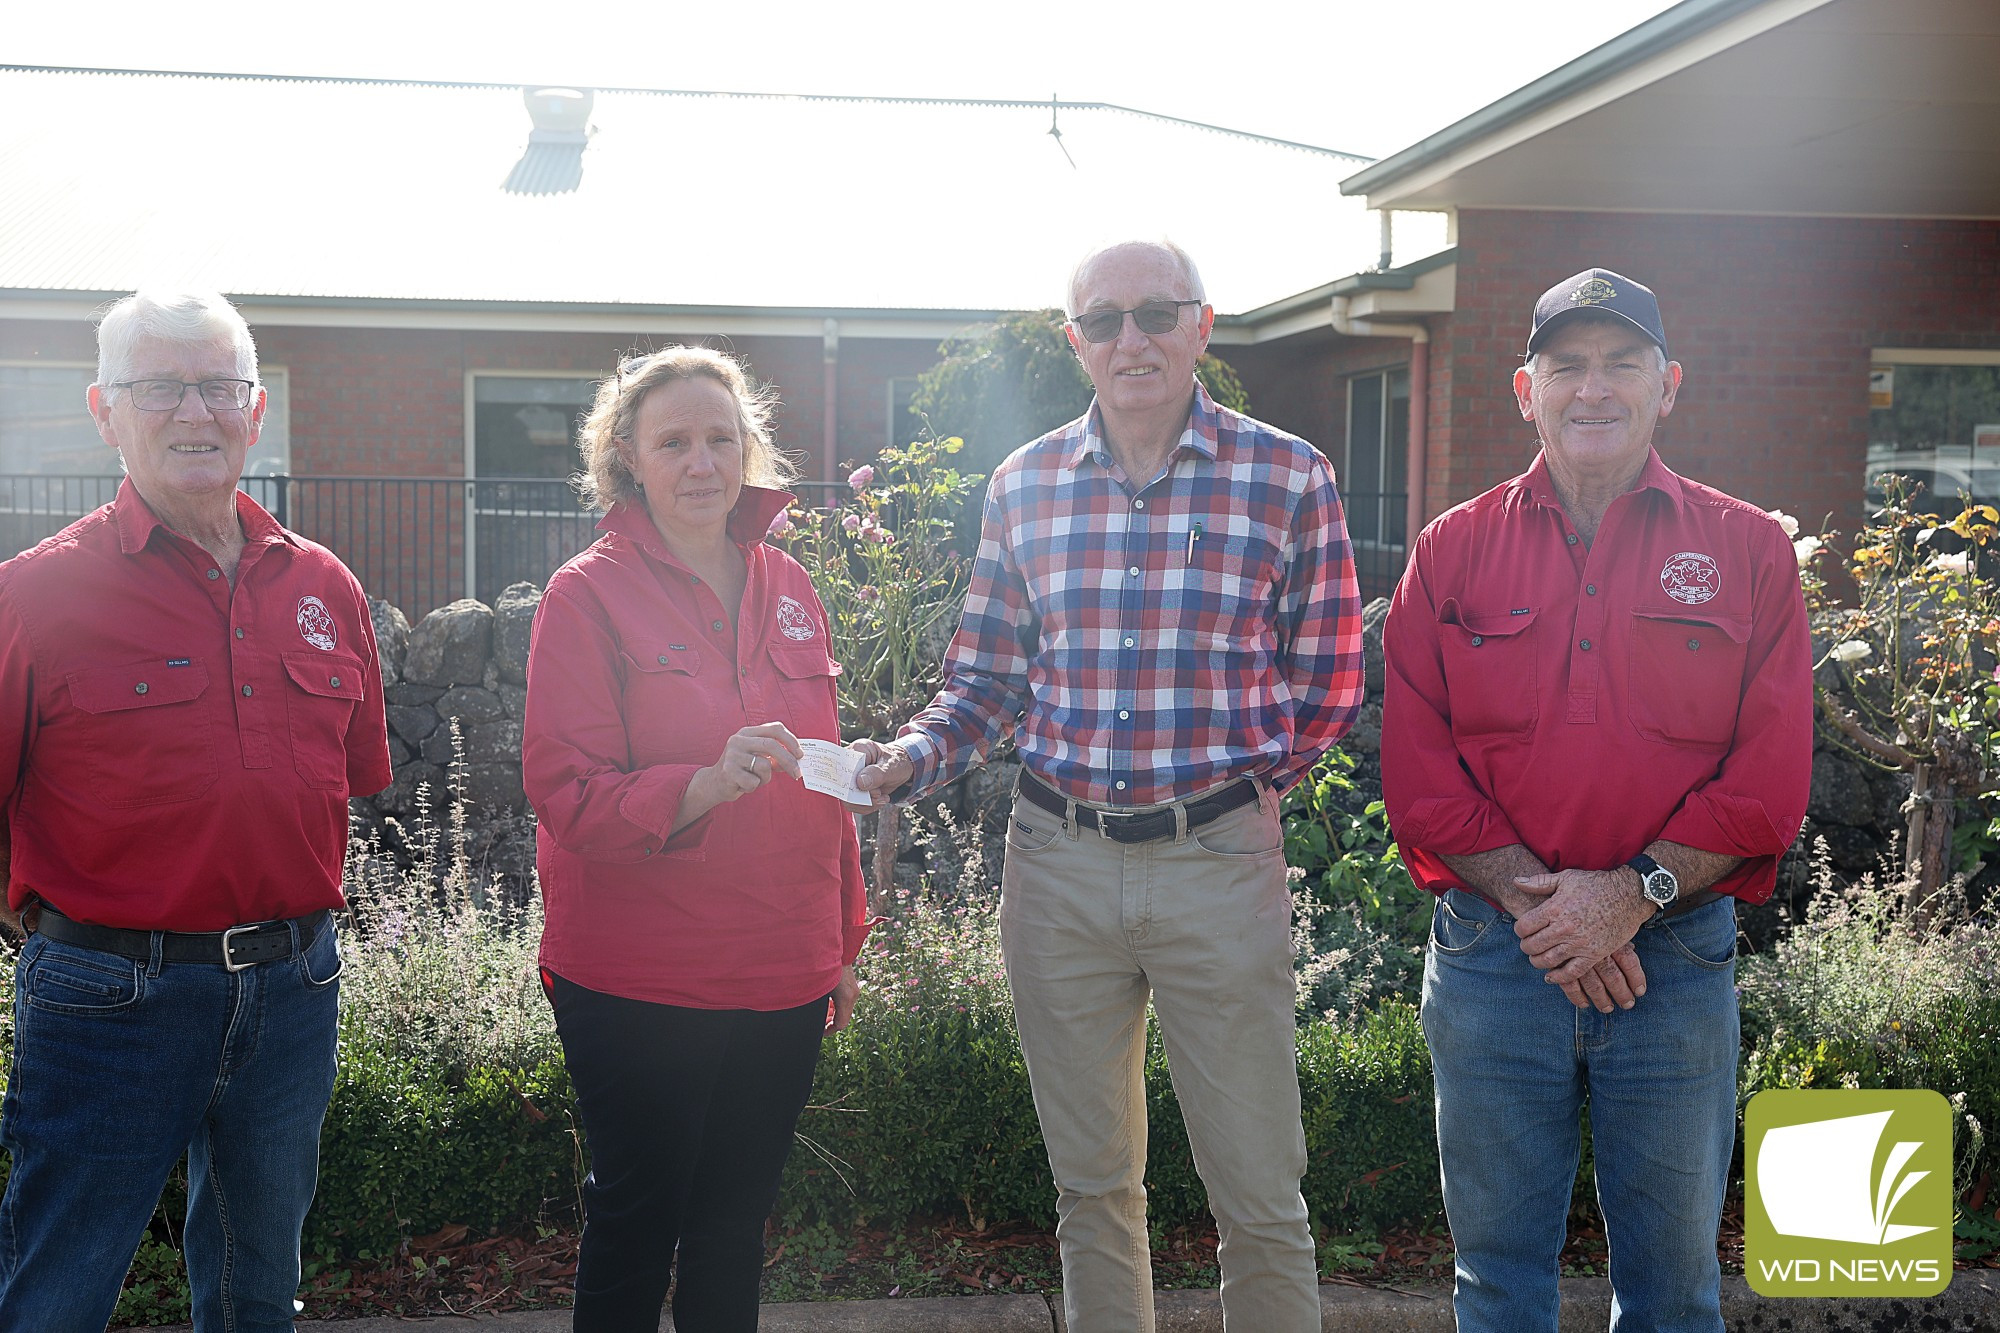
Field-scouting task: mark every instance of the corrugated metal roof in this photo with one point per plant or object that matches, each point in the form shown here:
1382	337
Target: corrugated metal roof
372	189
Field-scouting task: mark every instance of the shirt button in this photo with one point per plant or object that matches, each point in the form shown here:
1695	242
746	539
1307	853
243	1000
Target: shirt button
239	632
215	573
1590	588
1138	504
246	691
1572	539
1584	644
1694	645
695	581
649	851
140	688
716	625
1477	640
1124	714
1134	571
663	659
1128	643
1120	786
333	681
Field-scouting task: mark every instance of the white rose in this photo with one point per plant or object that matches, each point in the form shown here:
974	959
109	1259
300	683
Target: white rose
1785	521
1804	548
1957	563
1854	650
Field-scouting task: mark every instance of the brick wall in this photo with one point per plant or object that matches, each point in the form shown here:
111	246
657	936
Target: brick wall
1772	318
392	401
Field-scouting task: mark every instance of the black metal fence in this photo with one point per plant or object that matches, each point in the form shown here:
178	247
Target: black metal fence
423	541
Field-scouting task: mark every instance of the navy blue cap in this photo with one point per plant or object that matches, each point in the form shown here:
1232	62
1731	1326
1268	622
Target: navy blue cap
1601	290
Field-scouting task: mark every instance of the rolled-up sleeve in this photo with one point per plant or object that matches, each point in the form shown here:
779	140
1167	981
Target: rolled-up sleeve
1756	802
1435	807
576	758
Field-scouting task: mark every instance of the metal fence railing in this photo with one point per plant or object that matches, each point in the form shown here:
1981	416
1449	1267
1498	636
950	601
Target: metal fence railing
420	542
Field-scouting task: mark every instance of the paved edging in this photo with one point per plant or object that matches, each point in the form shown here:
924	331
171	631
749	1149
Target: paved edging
1970	1305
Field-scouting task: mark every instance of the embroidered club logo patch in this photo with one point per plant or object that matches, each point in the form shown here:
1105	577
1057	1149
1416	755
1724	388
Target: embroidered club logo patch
1595	292
1690	578
316	624
794	621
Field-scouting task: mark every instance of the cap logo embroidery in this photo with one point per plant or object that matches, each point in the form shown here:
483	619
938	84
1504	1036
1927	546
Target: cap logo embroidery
316	624
794	621
1595	292
1690	578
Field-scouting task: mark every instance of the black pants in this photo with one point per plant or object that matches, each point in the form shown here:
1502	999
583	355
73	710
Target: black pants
688	1115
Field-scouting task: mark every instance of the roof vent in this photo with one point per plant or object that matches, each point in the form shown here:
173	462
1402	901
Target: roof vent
552	163
561	115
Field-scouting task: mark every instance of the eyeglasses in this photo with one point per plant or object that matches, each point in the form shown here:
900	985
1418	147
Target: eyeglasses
166	395
1101	326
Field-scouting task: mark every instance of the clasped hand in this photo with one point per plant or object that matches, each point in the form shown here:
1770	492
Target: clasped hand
1577	926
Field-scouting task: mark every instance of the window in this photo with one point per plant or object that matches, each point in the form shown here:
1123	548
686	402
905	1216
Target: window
1934	417
904	424
525	426
1373	487
46	430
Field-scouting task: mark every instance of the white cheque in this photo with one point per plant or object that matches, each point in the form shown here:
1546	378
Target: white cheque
830	768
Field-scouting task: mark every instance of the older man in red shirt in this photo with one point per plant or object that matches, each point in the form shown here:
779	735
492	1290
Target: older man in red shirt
1597	737
192	694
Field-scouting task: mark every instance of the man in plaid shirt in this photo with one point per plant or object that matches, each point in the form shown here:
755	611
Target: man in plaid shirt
1164	613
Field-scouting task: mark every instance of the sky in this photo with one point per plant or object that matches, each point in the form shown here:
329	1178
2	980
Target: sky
1367	79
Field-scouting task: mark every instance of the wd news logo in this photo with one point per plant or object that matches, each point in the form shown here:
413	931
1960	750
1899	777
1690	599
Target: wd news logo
1847	1193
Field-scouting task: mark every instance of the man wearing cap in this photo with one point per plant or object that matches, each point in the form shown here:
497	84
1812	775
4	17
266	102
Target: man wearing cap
190	695
1164	613
1597	737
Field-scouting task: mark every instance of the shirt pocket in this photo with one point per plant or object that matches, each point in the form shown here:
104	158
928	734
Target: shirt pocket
1490	669
1227	584
1686	674
148	732
805	676
326	689
668	718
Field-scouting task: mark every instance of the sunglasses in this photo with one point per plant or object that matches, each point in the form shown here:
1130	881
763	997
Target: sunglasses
1101	326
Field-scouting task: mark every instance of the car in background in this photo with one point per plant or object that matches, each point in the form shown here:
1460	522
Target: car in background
1940	482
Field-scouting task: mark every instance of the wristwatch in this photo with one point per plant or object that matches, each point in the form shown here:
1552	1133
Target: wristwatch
1656	881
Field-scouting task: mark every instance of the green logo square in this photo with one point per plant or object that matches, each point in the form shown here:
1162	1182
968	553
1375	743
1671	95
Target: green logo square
1847	1193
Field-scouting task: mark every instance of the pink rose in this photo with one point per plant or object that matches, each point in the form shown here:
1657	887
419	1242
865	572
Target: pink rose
781	525
852	523
861	476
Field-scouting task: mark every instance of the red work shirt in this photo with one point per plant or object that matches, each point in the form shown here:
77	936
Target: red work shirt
635	681
1586	700
177	751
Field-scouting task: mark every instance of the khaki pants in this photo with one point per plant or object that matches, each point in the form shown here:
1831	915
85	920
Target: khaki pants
1089	927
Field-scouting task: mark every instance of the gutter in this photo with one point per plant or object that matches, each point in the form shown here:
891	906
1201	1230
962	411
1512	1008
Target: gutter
1657	34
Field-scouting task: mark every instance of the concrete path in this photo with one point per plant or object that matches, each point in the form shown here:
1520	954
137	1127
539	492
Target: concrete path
1970	1305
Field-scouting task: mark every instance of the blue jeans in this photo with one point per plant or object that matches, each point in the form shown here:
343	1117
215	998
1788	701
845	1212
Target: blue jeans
1516	1063
122	1066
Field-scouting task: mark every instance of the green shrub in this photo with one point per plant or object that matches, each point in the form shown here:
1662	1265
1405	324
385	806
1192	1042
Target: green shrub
1861	995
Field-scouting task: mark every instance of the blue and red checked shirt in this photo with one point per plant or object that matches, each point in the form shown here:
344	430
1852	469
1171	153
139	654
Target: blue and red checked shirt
1148	643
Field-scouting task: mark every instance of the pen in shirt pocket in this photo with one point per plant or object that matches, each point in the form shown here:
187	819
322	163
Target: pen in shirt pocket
1194	535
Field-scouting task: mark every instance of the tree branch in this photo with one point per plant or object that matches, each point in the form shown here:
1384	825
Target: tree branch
1850	726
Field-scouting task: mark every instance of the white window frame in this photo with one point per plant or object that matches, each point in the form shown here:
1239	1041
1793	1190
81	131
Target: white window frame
1385	520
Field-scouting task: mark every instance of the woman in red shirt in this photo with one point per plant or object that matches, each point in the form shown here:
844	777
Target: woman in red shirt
704	908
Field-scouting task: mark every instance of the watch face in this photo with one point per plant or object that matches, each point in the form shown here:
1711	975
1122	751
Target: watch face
1661	887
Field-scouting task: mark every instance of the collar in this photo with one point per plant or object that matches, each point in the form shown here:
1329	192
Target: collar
137	522
1203	429
749	522
1536	486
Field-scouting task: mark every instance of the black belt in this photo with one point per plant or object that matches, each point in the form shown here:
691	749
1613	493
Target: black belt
236	948
1142	826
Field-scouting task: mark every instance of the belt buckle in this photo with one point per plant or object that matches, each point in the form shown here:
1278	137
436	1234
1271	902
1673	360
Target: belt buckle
1105	818
229	963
